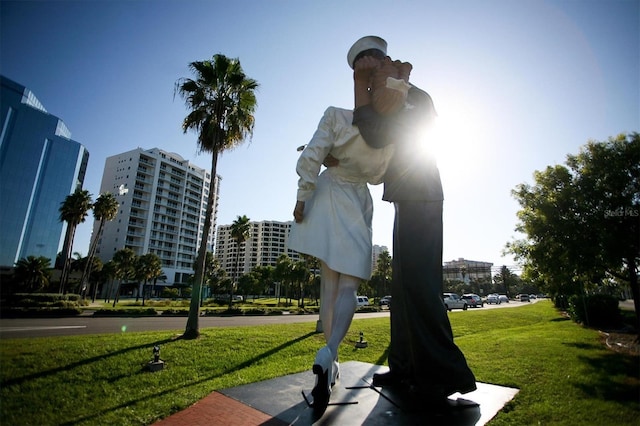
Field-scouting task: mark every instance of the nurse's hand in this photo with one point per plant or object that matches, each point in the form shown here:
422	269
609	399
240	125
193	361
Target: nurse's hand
298	211
330	161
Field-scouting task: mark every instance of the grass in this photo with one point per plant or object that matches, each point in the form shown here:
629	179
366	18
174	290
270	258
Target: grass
565	374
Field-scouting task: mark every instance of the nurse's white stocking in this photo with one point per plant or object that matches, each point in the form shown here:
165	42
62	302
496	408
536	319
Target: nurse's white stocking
343	310
328	292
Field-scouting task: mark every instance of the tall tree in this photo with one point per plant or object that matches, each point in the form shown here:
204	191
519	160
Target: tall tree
381	278
33	272
107	276
264	275
505	279
282	273
301	275
248	284
215	276
582	220
73	210
240	232
222	101
125	261
105	209
148	267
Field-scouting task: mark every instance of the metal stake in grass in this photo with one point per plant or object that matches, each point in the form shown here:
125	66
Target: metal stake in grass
156	364
362	343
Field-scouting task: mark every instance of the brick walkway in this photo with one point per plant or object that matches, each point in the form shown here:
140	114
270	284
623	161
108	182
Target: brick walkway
218	409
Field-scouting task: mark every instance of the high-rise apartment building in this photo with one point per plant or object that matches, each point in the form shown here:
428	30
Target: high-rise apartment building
163	200
375	253
40	165
268	240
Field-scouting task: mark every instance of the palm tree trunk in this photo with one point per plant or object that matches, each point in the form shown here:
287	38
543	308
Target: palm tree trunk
68	246
192	329
87	268
117	293
236	274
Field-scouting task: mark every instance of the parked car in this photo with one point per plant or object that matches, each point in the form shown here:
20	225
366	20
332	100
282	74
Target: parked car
524	298
363	301
503	298
473	300
385	301
493	299
453	301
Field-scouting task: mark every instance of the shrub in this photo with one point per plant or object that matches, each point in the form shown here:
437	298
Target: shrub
232	311
175	312
597	310
125	312
254	311
369	308
170	293
42	299
40	312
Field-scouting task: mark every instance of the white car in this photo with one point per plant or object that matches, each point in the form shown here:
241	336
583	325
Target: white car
473	300
493	298
363	301
453	301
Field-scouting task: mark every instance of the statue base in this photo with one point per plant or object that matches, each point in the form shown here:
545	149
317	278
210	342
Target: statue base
154	366
355	401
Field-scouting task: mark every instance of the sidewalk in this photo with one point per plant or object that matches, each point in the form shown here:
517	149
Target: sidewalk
281	401
218	409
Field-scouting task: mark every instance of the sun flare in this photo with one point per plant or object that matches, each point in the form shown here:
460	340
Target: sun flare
454	140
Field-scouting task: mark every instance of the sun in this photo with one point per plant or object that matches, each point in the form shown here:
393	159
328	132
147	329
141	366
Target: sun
455	141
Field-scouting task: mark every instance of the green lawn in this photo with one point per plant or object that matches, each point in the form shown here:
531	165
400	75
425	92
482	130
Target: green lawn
564	373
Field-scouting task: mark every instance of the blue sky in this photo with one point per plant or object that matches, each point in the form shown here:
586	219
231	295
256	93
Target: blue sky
518	85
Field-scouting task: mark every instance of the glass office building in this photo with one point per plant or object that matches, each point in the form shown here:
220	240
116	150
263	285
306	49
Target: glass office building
39	166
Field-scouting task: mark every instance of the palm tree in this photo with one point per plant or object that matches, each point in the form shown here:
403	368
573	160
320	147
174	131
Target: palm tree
148	267
300	274
240	231
107	275
214	275
73	210
222	102
282	273
125	261
104	209
33	272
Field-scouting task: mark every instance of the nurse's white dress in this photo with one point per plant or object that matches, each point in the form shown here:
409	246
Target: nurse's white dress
338	208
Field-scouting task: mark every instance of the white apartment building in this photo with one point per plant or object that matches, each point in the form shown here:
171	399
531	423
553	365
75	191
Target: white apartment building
268	240
466	270
163	200
375	253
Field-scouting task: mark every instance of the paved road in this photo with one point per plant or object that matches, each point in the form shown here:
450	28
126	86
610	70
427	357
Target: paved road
49	327
85	324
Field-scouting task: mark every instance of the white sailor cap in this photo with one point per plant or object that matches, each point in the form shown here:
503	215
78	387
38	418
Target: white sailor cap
366	43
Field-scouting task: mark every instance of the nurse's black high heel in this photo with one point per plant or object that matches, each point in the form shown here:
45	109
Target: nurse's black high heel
322	368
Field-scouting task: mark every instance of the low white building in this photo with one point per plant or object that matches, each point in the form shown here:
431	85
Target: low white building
466	270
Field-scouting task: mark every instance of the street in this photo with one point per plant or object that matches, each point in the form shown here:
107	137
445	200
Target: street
87	324
71	326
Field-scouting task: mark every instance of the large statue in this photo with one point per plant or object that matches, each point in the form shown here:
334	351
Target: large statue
424	361
333	214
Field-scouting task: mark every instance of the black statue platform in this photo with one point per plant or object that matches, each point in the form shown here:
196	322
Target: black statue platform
355	402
